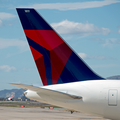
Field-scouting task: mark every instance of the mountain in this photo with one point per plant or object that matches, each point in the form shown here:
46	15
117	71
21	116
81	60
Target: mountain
117	77
17	93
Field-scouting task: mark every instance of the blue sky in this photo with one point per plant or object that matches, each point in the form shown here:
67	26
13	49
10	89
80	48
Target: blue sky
91	28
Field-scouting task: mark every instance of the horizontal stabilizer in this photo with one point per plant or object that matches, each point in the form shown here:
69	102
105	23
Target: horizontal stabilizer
47	92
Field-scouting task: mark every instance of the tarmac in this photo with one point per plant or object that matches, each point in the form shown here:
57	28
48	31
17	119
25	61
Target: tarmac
16	113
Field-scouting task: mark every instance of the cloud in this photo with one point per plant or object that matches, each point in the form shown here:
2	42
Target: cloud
105	66
119	31
72	6
7	68
69	27
4	15
1	22
111	41
85	56
5	43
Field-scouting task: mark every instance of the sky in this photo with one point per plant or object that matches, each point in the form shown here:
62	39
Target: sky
90	27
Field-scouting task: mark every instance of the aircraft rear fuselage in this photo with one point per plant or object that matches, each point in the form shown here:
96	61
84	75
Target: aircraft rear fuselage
98	97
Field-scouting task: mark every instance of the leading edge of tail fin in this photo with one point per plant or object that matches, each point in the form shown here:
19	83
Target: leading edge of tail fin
55	61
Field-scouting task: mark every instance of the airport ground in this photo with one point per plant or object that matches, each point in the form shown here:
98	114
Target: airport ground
38	113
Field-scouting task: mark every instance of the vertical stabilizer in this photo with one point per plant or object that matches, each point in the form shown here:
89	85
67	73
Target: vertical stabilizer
55	61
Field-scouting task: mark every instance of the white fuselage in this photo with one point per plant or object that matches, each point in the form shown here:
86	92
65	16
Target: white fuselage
99	97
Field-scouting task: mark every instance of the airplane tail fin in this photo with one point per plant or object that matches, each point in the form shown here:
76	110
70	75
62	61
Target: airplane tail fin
55	61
